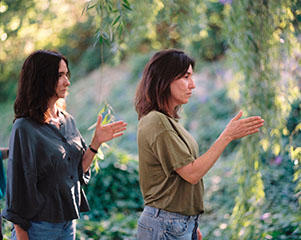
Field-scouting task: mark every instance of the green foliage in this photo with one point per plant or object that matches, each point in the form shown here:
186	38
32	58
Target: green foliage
26	26
112	20
118	227
115	188
296	6
137	64
278	219
256	31
294	150
143	26
83	55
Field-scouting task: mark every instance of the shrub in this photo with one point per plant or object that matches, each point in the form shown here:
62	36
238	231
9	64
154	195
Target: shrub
115	188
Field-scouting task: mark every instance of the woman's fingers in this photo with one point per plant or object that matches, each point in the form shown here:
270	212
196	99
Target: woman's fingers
117	135
109	131
251	127
252	131
251	122
254	124
238	115
119	124
238	128
251	119
99	119
117	128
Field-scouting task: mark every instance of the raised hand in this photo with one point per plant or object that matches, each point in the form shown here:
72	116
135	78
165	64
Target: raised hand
238	128
104	133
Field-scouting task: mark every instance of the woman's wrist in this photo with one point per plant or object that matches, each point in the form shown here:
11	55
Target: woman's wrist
226	137
92	149
94	145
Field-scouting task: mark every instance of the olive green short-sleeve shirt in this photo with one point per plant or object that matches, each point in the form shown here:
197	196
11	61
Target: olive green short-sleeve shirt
164	146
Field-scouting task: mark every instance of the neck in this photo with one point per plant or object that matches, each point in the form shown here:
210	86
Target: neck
171	111
52	108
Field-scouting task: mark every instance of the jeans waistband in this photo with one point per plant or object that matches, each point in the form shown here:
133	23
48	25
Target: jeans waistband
163	213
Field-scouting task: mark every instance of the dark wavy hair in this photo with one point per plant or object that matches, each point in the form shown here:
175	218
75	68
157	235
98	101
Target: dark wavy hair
37	84
153	91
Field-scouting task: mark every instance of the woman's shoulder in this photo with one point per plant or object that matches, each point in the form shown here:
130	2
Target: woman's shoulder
156	120
24	122
25	125
154	116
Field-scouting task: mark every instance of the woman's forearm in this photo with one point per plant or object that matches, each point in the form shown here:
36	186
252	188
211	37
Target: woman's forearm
196	170
89	155
236	128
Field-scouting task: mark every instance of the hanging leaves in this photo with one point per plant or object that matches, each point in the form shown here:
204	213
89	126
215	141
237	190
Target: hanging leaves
111	16
256	32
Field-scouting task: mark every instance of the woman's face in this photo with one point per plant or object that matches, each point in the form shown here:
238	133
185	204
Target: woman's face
181	89
63	82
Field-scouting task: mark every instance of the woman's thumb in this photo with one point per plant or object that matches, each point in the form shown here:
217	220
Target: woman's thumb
238	116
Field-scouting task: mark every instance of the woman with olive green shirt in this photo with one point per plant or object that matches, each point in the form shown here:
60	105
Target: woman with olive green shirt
163	148
170	167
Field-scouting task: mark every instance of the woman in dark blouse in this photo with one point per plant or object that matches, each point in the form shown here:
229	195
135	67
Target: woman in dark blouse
48	158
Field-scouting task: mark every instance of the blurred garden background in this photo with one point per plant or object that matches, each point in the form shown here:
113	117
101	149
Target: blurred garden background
248	57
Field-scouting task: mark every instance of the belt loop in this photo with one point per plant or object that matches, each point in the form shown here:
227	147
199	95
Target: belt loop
157	212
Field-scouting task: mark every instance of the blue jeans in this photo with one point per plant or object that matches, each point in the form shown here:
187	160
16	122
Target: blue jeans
157	224
50	231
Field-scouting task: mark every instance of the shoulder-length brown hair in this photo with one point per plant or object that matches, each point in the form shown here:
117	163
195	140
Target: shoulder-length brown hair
153	91
37	84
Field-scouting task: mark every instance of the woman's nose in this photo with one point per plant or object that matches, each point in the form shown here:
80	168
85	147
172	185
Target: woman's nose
191	83
67	81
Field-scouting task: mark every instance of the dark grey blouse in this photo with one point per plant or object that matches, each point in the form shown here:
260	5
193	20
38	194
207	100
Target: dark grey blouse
45	174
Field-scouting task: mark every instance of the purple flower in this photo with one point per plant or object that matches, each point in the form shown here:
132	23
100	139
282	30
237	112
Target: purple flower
278	160
225	1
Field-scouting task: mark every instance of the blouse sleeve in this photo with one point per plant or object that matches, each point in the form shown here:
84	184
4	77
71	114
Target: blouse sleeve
84	177
171	151
22	197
